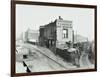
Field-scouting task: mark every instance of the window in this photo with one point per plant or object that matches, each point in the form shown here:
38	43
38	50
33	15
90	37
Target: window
65	33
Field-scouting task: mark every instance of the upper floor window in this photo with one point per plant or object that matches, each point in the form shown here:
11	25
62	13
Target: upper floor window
65	33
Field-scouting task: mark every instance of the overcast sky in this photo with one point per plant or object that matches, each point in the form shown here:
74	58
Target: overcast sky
33	16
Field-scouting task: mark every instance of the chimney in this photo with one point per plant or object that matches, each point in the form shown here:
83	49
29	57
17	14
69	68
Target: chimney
60	18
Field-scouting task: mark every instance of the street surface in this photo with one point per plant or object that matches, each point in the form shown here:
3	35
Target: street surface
42	59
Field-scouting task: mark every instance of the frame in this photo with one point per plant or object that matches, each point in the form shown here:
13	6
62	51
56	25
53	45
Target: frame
52	45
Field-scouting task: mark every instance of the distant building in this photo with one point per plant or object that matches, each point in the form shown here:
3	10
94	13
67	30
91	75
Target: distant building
79	39
56	34
31	36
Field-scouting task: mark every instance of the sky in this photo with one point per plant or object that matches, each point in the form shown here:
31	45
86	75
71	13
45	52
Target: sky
33	16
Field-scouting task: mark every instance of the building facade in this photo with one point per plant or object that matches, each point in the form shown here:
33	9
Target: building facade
31	36
64	31
56	34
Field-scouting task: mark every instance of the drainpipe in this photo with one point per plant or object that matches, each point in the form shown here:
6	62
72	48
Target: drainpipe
72	38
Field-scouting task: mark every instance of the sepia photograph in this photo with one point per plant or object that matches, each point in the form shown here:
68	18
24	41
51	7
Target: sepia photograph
54	38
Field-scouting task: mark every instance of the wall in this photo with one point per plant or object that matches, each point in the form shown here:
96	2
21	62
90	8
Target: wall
60	27
5	38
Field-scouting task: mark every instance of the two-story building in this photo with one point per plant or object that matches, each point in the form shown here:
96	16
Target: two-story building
56	34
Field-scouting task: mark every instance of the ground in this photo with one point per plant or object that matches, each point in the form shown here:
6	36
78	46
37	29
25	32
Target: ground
42	59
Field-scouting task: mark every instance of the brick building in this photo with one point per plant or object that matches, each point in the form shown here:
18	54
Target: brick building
56	34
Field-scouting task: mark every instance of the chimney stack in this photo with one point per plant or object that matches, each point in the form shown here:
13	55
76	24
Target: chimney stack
60	18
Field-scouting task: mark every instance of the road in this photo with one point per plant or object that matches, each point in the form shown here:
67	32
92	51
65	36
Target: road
38	61
84	61
42	59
